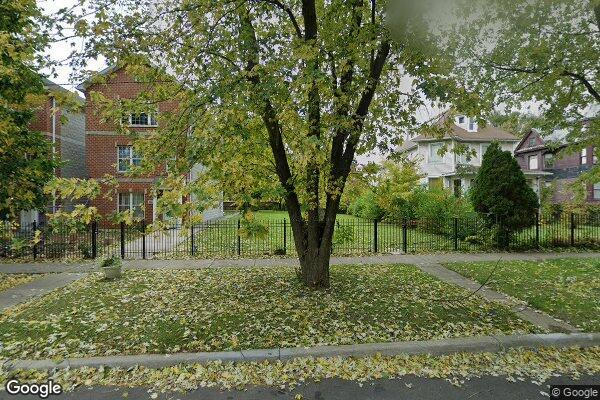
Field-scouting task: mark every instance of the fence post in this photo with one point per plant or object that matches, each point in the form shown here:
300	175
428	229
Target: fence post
404	237
375	235
572	229
144	239
34	249
284	236
239	239
94	239
537	229
455	234
122	239
192	249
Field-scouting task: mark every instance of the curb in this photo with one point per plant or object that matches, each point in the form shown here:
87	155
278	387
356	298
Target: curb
482	344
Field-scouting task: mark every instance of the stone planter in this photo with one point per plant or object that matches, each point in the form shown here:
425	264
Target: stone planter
112	272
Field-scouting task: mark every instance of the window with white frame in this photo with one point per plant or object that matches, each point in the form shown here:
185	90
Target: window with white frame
140	119
472	124
126	157
132	201
596	191
484	148
533	162
434	152
467	155
583	156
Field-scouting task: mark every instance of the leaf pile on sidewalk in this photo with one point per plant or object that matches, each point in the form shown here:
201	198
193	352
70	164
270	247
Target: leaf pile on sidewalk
233	309
516	364
8	281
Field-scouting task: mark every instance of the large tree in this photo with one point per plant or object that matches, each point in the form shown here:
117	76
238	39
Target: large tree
540	54
280	95
26	160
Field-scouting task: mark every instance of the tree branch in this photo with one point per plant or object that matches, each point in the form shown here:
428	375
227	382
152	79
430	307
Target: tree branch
582	79
251	53
290	14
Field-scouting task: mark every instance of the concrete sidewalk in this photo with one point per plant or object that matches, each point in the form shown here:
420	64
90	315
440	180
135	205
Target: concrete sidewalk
414	259
481	344
39	287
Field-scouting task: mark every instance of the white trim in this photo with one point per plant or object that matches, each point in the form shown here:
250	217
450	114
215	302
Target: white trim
131	158
131	208
150	117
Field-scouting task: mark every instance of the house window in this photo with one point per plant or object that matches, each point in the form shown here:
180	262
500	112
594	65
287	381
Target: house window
548	160
461	120
141	119
126	158
132	201
532	141
533	162
594	156
583	156
484	148
434	152
596	191
472	124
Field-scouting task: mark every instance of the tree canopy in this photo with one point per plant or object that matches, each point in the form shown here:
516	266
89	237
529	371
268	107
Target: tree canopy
26	160
275	97
542	55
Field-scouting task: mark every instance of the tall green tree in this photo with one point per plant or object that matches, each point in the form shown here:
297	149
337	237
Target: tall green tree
501	193
289	91
26	161
542	55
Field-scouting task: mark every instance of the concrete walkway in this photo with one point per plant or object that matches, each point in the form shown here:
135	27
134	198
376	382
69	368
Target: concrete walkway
525	312
414	259
39	287
481	344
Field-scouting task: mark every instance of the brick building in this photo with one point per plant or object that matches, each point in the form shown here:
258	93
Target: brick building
68	143
108	152
546	161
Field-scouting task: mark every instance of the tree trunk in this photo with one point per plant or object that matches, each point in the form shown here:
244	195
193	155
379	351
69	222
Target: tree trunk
314	255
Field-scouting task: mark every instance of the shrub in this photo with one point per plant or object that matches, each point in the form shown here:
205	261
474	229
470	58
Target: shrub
112	261
365	206
343	235
501	194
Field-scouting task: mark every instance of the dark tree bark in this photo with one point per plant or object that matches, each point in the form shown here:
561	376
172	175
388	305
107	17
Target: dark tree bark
313	236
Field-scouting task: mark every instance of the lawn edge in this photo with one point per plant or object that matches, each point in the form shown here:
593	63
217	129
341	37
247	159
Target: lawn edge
481	344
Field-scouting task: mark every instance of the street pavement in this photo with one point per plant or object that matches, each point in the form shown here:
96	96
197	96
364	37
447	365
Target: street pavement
406	388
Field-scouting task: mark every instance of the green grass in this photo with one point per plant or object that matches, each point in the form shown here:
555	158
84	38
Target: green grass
229	308
9	281
568	289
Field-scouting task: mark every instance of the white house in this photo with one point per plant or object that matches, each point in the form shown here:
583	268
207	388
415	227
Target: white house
452	168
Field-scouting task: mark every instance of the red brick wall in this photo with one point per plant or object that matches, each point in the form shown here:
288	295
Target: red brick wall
118	85
101	149
42	122
106	206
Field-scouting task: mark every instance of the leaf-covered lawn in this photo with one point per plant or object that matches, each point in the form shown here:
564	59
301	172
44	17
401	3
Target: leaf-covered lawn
8	281
568	289
233	308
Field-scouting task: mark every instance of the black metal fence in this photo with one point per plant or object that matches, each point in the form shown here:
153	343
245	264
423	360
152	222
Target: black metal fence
353	236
